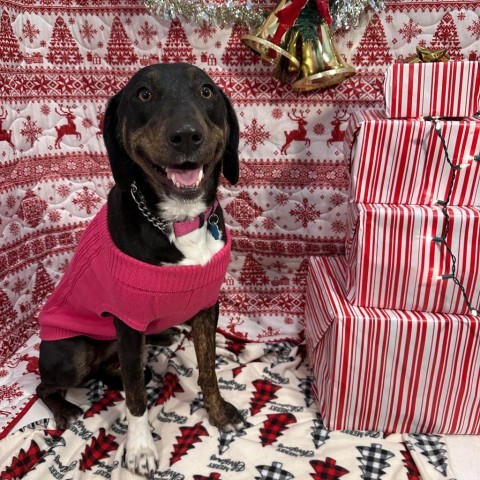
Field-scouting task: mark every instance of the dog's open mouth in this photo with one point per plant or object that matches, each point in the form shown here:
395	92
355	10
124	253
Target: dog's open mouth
185	178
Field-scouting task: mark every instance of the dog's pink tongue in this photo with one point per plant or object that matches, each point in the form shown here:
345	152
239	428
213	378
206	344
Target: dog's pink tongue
186	178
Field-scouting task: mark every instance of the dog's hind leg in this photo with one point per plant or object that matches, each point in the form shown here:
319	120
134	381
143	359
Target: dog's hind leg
110	375
221	414
141	456
63	364
63	411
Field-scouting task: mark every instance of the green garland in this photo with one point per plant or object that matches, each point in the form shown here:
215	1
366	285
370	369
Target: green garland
308	21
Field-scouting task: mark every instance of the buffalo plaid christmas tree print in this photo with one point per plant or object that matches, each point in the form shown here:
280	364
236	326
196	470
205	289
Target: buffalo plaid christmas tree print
265	391
433	449
319	433
327	469
274	426
275	471
374	461
99	448
186	440
23	462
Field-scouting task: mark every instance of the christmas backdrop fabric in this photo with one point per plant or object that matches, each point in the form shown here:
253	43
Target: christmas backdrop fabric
59	64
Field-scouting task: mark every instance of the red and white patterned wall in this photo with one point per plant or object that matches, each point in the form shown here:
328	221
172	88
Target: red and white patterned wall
61	60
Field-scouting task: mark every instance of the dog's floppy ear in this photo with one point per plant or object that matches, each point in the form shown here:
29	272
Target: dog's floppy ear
230	157
120	162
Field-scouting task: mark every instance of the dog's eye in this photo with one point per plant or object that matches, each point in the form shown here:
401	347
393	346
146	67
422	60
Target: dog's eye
144	94
206	91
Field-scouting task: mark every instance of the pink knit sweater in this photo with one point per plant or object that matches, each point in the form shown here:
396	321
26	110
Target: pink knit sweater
102	281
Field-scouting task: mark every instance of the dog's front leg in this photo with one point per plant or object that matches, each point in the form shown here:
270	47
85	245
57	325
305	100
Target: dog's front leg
221	414
141	456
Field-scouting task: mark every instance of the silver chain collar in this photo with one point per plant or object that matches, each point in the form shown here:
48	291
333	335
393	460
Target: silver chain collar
139	199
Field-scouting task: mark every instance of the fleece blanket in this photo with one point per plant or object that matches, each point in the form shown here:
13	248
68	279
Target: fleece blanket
270	383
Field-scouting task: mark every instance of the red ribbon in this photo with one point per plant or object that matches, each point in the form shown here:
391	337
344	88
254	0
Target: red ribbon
324	10
286	18
289	14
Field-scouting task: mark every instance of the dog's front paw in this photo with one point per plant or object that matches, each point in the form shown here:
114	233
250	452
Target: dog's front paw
226	417
141	456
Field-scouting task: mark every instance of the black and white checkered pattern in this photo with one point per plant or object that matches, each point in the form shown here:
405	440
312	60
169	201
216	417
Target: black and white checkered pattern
197	403
220	361
153	393
227	438
273	472
319	433
153	353
95	390
307	390
281	350
374	461
433	449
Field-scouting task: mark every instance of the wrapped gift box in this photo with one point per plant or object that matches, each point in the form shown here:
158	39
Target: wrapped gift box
393	262
403	161
389	370
441	89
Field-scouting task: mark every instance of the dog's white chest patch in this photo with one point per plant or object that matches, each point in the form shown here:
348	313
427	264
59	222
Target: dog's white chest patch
198	247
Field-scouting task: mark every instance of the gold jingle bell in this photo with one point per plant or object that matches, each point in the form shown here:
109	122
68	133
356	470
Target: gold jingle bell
321	64
271	40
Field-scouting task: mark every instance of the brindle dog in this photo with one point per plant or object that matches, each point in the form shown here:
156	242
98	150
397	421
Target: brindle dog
169	134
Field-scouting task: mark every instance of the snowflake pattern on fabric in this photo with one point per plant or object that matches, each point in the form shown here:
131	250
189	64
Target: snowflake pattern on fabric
474	29
254	135
410	31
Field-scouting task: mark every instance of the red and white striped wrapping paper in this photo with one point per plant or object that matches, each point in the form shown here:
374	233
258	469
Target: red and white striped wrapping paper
450	89
403	161
393	262
389	370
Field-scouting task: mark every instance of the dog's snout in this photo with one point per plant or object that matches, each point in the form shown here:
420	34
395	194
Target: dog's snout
186	138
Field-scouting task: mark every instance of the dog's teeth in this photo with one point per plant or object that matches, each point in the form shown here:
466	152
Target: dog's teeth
200	177
174	181
187	183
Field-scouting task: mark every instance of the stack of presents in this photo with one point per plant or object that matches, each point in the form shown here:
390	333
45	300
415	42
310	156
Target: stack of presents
392	328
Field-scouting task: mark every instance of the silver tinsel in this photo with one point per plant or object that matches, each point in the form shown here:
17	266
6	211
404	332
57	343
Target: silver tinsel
345	13
201	12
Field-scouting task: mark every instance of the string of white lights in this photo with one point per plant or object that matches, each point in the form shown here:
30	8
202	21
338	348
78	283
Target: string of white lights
442	239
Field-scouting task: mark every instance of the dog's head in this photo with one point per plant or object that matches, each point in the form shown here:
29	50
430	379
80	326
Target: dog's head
173	127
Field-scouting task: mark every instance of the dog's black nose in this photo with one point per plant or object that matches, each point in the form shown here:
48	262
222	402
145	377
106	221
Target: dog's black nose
186	139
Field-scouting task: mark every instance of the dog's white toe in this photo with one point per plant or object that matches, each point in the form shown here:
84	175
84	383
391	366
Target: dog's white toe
141	456
142	461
